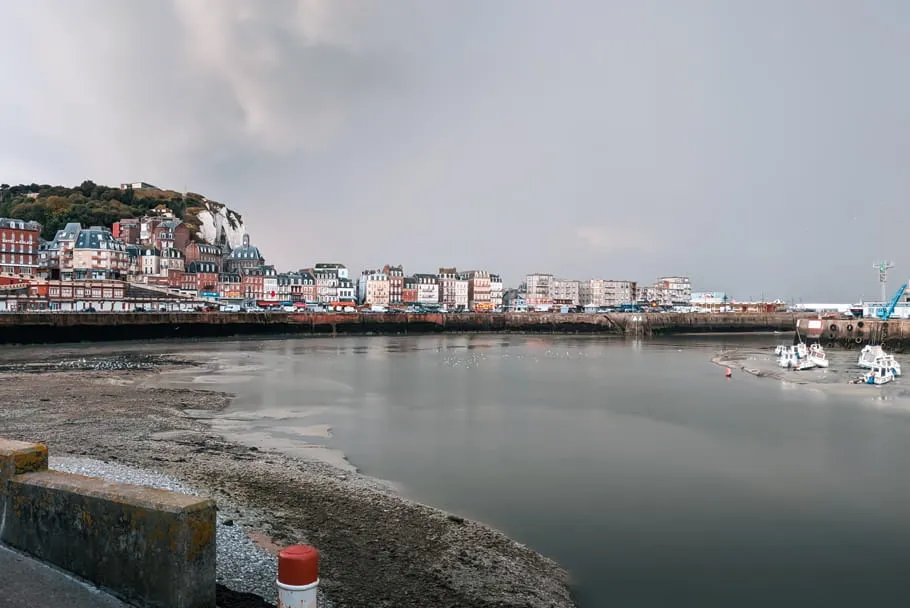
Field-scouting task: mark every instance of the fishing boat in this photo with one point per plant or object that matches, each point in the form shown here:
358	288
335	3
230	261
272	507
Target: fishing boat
879	374
796	358
817	355
874	355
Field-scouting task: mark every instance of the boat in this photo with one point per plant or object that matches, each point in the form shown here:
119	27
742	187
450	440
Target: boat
817	355
869	354
879	374
873	355
780	348
796	357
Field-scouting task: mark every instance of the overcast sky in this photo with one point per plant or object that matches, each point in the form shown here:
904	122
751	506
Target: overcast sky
760	147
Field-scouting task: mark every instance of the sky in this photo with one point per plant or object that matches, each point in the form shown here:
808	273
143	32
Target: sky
759	147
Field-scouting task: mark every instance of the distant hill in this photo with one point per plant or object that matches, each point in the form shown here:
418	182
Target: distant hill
91	204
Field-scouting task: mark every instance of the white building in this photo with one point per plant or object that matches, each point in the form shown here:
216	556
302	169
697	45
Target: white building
270	284
447	278
617	293
496	290
427	289
461	294
565	291
539	289
326	285
346	291
340	270
674	290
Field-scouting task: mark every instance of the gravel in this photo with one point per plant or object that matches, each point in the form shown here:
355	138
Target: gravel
242	566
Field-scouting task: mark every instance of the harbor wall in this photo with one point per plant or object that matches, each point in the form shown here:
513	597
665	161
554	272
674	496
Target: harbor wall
44	328
893	334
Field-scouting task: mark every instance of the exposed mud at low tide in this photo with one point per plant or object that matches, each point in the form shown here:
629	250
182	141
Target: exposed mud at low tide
378	548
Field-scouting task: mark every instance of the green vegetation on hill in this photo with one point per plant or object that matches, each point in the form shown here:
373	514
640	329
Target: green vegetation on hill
91	204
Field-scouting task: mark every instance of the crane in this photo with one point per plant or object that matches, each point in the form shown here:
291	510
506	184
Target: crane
886	313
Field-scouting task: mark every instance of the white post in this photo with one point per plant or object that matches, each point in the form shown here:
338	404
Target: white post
298	577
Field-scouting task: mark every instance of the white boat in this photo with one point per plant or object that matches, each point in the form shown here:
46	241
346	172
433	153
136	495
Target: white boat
780	348
817	355
872	356
879	374
796	358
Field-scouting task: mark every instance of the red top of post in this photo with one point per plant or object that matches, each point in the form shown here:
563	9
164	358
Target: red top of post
298	565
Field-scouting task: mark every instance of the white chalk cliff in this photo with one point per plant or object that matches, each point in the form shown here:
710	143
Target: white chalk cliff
215	219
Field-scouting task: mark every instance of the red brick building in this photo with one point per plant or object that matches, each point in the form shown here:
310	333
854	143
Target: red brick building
127	230
201	277
409	291
203	252
254	284
19	247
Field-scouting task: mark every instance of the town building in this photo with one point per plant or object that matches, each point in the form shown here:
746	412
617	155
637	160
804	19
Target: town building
514	300
373	288
347	291
409	291
447	279
269	284
246	257
427	289
496	291
340	270
478	289
620	293
565	292
126	230
253	285
19	241
203	252
396	283
326	283
677	290
56	255
97	255
304	290
539	290
230	286
201	278
138	186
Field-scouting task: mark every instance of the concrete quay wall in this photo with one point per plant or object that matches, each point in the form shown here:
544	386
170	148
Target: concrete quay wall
893	334
148	547
37	328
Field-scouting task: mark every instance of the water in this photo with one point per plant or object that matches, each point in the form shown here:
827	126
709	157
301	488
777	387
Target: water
639	467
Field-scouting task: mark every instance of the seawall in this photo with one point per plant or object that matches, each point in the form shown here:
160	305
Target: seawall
45	328
893	334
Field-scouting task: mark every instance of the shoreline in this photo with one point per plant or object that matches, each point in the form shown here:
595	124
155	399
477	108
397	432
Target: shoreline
378	546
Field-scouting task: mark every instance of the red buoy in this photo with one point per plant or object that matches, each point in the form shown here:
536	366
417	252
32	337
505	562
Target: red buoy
729	373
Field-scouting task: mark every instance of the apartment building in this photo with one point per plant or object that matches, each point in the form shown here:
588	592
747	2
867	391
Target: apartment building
396	283
19	242
539	289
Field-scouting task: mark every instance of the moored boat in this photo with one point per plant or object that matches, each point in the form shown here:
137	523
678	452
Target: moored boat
879	374
873	355
796	358
817	355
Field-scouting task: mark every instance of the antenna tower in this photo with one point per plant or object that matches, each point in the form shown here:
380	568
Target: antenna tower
883	268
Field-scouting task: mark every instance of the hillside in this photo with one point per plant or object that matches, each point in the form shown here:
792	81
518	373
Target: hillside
92	204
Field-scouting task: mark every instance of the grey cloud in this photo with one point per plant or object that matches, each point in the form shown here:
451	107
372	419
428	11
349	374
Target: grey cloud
595	138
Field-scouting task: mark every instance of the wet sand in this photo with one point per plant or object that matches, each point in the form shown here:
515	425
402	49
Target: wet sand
835	379
378	548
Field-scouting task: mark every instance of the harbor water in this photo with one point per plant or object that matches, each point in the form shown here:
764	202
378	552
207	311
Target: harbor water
638	466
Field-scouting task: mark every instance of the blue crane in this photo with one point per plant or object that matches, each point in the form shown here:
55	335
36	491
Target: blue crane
885	313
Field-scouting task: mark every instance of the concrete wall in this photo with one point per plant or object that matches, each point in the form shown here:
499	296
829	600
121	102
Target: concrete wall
149	547
25	328
893	334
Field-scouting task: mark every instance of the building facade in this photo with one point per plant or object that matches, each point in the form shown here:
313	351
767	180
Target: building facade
539	289
396	283
565	292
427	287
409	291
347	292
97	255
246	257
373	288
478	289
203	252
19	241
496	291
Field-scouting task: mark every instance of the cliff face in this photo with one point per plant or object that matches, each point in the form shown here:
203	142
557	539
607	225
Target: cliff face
212	222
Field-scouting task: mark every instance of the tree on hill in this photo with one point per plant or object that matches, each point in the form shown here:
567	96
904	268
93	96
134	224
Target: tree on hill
89	204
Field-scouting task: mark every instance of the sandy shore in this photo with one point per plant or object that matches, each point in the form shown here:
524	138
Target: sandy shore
379	549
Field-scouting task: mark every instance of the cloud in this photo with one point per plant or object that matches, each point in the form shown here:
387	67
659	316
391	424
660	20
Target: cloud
615	239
